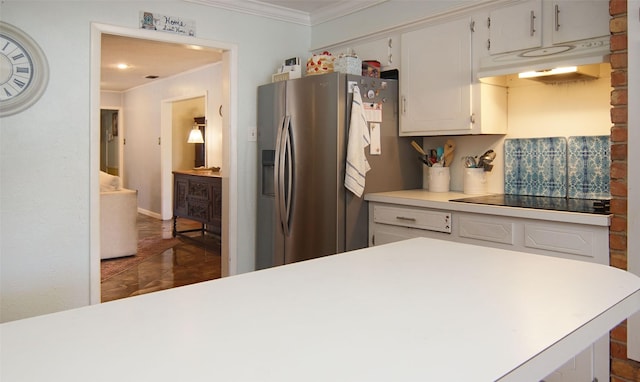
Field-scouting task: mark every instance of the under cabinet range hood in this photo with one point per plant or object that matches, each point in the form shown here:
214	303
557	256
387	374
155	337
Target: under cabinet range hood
563	74
594	51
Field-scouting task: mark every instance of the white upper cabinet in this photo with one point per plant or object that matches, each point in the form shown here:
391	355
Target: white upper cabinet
435	79
543	23
438	94
515	27
386	50
579	20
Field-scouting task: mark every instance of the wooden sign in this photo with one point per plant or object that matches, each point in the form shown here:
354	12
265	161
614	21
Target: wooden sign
172	24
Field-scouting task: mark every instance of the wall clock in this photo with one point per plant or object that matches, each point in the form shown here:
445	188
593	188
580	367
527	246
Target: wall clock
24	72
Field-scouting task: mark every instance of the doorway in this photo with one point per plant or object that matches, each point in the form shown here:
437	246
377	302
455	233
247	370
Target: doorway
177	119
110	143
229	209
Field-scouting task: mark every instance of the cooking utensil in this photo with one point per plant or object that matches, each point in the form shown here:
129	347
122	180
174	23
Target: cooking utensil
486	159
470	162
423	156
418	148
426	161
449	148
433	156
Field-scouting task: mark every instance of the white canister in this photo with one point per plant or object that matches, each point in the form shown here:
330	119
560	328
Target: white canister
474	181
439	179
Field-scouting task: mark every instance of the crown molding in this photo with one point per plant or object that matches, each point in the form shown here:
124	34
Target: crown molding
342	9
259	8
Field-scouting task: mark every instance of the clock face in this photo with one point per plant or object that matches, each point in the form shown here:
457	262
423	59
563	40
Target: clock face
16	68
23	70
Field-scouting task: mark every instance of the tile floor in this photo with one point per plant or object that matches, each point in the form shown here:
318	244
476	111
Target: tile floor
186	263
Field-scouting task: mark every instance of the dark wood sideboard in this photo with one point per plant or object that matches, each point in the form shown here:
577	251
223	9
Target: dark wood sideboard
197	195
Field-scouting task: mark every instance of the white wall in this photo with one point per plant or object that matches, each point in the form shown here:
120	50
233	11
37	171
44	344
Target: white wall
45	210
110	99
577	108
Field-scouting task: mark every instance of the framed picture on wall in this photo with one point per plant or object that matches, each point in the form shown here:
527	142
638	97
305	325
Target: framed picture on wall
114	124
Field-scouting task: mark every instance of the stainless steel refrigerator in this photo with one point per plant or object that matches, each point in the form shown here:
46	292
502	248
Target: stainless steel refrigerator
304	210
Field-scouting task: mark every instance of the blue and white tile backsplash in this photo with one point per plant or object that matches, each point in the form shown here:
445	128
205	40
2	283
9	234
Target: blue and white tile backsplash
535	166
577	167
588	167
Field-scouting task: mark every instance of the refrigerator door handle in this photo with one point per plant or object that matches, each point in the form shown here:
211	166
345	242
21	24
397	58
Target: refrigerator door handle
287	165
279	178
276	172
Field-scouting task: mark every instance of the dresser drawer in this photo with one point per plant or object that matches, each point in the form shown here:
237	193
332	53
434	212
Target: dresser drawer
429	220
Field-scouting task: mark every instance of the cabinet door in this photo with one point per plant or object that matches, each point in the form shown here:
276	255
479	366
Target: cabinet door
435	80
579	20
385	50
515	27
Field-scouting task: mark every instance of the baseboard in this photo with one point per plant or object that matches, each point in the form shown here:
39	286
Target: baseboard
152	214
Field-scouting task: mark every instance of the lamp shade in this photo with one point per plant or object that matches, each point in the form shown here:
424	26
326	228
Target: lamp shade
195	136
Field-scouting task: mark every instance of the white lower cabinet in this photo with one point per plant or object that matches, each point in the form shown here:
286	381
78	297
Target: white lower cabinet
486	228
558	239
394	223
390	222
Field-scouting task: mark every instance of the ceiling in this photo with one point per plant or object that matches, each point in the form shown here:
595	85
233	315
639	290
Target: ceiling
154	58
147	58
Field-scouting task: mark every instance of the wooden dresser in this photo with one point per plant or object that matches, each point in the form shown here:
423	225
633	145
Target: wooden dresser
197	195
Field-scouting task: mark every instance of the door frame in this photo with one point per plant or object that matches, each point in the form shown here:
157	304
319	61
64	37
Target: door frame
229	144
166	150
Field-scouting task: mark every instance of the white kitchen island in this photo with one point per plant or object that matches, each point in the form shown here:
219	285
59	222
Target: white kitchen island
415	310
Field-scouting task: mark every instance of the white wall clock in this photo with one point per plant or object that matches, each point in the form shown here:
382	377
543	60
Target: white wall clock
24	72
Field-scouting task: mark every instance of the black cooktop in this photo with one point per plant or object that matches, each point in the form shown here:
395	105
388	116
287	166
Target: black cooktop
590	206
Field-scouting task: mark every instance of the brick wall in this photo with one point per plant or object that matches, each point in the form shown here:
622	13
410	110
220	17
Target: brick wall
622	368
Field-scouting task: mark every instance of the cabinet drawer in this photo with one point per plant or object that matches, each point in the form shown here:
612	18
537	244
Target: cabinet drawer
413	218
486	228
199	210
200	189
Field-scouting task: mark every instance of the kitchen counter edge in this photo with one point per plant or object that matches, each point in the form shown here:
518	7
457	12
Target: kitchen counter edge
442	201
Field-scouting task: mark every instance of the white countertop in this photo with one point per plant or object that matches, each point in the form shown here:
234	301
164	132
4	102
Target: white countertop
441	200
409	311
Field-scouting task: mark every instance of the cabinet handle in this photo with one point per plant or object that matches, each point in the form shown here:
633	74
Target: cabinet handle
557	17
405	218
404	105
533	18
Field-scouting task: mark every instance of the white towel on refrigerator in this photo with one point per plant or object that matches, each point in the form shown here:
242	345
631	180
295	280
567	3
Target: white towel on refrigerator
357	165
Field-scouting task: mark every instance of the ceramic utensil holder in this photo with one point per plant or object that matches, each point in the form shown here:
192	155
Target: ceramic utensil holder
439	179
474	181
